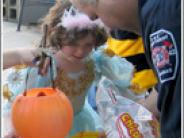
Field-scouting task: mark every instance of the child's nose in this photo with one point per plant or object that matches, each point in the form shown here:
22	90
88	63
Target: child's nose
80	52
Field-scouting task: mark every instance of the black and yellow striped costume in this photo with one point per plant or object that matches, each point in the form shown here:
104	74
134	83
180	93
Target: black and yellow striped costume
130	46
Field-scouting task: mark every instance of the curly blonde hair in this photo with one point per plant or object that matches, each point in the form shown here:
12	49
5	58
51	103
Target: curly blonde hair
59	36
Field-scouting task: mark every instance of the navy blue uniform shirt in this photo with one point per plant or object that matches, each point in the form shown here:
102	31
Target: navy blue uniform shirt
161	31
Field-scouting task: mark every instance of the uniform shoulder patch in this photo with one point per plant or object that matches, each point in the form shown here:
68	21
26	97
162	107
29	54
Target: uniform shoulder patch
164	54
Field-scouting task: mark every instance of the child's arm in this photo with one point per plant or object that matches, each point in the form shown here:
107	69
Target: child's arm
19	56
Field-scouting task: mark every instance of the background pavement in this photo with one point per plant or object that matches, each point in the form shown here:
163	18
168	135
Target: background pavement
27	37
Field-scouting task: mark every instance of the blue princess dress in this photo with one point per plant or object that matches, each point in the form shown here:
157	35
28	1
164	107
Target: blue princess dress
74	85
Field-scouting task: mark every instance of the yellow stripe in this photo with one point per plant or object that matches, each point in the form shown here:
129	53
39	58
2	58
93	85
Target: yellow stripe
143	80
124	48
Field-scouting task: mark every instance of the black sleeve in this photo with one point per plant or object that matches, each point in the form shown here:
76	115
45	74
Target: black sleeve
121	35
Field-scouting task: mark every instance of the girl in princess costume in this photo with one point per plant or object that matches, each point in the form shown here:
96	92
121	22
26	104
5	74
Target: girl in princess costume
75	66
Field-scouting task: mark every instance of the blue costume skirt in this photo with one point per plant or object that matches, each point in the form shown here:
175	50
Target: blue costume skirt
86	120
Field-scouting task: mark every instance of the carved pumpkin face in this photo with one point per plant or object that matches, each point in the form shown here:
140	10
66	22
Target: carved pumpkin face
42	113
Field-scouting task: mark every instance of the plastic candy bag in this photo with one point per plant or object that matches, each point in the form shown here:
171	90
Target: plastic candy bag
122	117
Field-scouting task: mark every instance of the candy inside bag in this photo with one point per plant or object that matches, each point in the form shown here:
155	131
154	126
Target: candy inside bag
122	117
87	134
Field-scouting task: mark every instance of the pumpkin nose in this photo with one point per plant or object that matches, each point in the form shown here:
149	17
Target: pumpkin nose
24	94
41	94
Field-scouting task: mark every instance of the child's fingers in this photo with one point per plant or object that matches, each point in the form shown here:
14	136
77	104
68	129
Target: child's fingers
42	60
44	65
38	56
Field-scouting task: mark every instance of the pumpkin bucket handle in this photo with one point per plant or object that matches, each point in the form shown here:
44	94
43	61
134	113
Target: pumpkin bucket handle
43	57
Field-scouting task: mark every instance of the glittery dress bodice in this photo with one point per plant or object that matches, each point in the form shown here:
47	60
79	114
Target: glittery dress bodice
75	84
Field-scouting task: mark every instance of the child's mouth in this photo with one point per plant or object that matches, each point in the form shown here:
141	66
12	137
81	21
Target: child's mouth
78	57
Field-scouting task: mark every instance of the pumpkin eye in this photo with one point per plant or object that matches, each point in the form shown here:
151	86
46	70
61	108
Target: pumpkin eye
25	93
41	94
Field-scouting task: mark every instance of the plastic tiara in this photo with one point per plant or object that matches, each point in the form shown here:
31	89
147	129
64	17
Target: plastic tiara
73	18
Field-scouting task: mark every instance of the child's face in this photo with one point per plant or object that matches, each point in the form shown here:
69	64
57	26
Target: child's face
80	50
